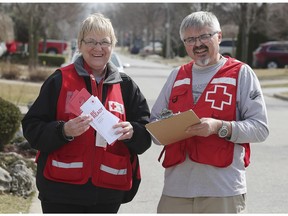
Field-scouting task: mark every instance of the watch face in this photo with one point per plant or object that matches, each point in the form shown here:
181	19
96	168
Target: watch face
223	133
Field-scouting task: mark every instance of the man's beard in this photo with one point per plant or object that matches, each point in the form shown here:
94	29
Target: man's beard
203	62
206	60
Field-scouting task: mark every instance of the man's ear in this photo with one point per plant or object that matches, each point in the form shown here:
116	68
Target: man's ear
219	37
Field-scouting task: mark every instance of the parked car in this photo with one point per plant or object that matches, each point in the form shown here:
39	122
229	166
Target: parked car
3	48
115	59
148	50
228	47
53	46
136	46
273	54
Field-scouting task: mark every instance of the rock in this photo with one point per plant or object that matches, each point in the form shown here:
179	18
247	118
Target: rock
22	179
5	180
19	172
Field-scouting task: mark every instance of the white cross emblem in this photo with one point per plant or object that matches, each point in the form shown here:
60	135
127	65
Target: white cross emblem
218	89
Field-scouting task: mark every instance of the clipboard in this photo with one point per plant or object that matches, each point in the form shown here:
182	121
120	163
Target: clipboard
172	129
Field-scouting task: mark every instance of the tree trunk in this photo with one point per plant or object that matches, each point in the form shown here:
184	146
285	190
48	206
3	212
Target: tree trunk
31	45
244	32
33	41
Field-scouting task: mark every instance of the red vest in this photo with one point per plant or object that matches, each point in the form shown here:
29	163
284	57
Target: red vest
218	101
80	159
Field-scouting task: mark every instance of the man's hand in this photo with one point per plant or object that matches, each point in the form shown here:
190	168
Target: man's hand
207	127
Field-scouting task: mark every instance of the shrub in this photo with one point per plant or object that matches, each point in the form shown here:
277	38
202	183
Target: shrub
51	60
40	74
54	60
9	71
19	58
10	116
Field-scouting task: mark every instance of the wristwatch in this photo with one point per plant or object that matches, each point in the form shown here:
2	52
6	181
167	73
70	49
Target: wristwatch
223	131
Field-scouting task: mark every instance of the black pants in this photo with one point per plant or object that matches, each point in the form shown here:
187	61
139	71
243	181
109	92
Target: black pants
49	207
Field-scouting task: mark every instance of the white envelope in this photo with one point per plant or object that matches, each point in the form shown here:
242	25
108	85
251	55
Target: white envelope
103	120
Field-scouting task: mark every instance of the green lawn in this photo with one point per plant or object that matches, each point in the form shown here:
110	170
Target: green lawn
19	93
10	204
272	73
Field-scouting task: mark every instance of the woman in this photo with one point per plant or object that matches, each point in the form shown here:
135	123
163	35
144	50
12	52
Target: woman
77	171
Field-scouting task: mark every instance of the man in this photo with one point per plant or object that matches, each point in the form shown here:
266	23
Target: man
206	172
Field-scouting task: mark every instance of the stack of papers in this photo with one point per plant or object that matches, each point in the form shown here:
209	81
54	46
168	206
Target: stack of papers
82	102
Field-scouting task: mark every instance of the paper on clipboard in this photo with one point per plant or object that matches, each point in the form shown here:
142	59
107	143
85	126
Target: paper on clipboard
172	129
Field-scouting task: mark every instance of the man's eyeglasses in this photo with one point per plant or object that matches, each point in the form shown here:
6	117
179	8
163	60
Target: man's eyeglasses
190	41
93	43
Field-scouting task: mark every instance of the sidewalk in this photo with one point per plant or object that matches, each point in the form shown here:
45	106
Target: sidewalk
35	207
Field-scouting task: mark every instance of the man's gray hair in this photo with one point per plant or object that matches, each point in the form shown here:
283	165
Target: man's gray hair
199	20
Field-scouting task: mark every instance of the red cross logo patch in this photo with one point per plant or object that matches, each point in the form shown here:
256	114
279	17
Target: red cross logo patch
218	97
116	107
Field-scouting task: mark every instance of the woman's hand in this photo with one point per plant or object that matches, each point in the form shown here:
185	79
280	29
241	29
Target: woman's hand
126	128
77	126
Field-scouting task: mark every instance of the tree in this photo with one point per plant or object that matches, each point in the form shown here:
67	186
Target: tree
40	20
250	18
144	21
276	25
6	28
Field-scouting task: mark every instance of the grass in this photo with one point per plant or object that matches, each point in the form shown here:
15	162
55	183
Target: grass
272	73
19	93
10	204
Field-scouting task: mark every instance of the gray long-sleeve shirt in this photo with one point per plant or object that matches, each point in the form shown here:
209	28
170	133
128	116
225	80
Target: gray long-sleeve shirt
191	179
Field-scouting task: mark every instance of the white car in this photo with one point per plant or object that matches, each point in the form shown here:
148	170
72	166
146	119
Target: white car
3	48
148	50
228	47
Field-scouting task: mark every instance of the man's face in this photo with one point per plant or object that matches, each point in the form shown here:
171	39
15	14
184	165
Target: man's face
205	50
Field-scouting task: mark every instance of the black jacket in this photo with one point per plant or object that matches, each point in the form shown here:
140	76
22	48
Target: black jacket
40	129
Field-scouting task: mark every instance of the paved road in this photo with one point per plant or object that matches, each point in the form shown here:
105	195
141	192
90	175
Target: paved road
267	176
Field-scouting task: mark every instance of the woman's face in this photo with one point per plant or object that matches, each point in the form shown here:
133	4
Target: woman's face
205	52
96	50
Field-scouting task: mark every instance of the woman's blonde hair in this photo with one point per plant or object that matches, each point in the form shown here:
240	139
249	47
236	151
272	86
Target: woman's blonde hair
99	24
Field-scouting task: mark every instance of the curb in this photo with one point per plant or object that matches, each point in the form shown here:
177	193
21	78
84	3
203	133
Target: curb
280	96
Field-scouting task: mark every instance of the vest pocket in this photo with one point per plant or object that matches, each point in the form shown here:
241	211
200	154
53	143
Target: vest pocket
64	168
177	96
174	154
114	171
212	150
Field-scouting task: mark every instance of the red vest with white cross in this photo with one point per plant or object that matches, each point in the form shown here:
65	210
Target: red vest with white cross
218	101
79	160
